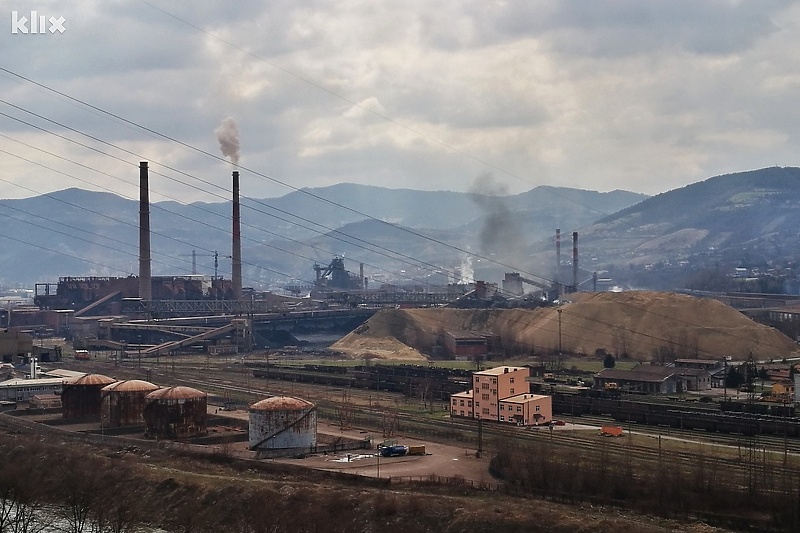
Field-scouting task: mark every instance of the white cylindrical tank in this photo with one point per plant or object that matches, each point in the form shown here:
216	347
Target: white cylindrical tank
282	422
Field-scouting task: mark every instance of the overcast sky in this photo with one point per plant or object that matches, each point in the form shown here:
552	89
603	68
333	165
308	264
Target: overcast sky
635	95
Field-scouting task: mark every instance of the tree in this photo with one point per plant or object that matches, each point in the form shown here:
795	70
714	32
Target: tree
734	378
609	361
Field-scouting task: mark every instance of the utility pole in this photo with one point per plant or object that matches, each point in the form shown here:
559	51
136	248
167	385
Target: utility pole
560	355
480	438
725	379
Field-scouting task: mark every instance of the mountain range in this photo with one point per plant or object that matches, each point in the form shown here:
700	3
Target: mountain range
743	218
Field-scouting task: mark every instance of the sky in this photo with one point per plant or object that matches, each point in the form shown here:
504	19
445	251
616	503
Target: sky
636	95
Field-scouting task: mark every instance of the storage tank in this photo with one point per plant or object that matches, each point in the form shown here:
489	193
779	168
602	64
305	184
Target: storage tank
282	422
122	403
175	413
81	397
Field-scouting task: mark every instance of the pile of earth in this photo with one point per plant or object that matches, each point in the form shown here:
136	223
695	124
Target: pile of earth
641	325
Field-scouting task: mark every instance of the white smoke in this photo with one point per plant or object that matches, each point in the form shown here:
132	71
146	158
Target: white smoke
228	136
467	272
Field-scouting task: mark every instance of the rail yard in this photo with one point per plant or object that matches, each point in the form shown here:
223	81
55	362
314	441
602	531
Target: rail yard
760	471
629	440
753	463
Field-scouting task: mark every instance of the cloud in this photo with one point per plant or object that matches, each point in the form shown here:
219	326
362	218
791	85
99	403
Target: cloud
619	95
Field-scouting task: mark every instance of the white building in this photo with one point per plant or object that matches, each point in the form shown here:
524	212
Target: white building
22	390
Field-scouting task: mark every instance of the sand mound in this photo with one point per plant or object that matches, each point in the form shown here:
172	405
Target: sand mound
644	325
360	347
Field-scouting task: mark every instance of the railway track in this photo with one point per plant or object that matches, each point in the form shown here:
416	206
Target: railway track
764	469
378	410
747	452
771	443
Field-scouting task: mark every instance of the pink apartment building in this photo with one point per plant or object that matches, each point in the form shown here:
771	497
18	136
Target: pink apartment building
502	394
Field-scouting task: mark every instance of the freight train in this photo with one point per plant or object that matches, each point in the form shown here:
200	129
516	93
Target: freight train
730	417
436	384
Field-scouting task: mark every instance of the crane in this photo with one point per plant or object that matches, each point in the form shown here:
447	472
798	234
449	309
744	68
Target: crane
194	254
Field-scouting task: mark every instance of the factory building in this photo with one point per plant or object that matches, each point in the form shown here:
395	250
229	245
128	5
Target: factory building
176	413
45	401
282	422
122	403
22	390
502	394
654	379
14	344
465	344
81	396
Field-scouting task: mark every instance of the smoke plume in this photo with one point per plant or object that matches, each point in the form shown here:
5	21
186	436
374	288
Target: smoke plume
467	272
228	136
501	234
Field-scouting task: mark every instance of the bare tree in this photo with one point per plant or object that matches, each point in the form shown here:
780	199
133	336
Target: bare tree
621	342
120	510
30	516
20	511
82	485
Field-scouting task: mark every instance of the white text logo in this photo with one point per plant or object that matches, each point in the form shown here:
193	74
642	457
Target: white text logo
37	23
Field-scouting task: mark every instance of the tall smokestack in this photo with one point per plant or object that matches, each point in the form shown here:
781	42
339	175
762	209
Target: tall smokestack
558	261
236	253
145	282
575	260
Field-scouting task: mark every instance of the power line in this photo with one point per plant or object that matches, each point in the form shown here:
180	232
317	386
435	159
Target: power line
264	176
303	191
283	237
332	232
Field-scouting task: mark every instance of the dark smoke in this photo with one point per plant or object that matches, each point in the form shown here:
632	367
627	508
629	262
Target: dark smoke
228	136
501	233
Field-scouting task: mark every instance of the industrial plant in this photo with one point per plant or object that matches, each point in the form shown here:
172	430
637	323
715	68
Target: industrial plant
147	317
225	338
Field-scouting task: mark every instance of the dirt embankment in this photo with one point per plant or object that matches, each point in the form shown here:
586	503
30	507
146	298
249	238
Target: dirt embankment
79	487
641	325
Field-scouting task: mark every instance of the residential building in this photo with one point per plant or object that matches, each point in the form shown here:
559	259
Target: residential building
461	404
527	409
502	394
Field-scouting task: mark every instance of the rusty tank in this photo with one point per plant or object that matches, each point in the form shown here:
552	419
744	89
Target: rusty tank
122	403
175	413
80	397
